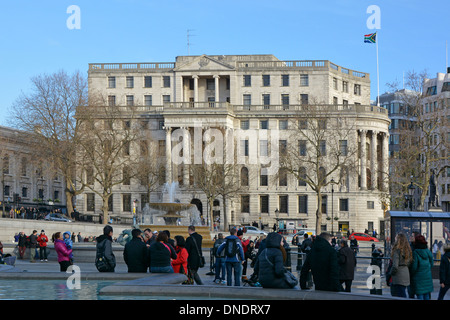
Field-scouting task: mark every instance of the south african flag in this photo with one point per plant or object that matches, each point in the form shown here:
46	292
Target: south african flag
370	38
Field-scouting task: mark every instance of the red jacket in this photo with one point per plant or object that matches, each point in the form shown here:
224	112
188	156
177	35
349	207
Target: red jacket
42	240
181	260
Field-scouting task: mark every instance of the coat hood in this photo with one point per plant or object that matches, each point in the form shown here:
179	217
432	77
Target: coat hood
103	237
273	240
321	244
422	253
67	232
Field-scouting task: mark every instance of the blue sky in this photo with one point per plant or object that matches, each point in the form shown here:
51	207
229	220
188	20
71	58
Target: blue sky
34	38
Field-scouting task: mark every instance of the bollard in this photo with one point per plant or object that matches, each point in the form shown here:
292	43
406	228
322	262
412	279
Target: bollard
299	258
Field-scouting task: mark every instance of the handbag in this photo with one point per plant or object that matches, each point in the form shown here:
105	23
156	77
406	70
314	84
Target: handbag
202	258
101	263
290	279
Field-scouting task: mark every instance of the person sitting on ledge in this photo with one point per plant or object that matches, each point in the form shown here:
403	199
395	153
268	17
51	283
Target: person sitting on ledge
160	253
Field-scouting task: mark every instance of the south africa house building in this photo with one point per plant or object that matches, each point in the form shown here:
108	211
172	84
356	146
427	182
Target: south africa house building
250	92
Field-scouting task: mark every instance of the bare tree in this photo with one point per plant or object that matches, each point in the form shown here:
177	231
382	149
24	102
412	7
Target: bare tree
323	147
107	148
423	142
46	114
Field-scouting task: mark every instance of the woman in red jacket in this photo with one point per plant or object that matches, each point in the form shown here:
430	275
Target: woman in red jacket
62	251
179	265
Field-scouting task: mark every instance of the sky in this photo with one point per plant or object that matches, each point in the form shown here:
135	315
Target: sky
39	37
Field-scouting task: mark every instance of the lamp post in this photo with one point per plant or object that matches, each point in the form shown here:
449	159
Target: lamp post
332	205
411	190
277	212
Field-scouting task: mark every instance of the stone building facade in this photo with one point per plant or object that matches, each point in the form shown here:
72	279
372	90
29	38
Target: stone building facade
257	93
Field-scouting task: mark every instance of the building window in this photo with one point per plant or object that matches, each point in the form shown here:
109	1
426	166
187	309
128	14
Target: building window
263	178
343	147
148	100
111	82
56	194
283	124
244	176
263	148
126	202
247	99
302	177
344	86
166	81
283	202
282	147
282	178
431	91
144	148
244	148
166	98
285	101
111	101
90	201
6	164
266	100
266	80
303	124
162	147
335	100
302	147
264	204
302	204
285	80
130	82
323	147
247	80
370	205
245	204
322	124
7	190
357	89
264	124
148	82
245	124
210	84
23	167
304	80
304	99
343	204
130	100
24	192
111	203
324	204
335	83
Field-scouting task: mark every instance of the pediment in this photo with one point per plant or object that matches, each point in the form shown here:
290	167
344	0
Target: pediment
203	63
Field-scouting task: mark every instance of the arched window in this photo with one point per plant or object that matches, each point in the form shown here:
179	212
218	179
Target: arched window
244	176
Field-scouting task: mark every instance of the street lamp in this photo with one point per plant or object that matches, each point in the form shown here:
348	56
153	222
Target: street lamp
277	212
332	205
411	190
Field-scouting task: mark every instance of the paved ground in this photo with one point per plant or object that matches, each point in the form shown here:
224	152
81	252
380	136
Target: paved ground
359	284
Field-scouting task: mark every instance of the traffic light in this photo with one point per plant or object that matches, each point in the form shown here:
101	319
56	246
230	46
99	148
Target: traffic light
16	197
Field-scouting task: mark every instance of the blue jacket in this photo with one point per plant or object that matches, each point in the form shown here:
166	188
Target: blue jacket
239	256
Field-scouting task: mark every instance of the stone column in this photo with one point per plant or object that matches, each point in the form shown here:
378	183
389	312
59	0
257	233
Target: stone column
195	88
385	161
168	155
363	160
216	89
373	160
186	156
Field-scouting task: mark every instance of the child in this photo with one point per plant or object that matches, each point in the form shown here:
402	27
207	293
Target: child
69	244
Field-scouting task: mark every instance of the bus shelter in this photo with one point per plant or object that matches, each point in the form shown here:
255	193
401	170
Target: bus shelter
433	225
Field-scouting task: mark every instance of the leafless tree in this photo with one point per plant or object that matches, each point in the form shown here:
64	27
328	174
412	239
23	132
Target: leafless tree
46	115
322	147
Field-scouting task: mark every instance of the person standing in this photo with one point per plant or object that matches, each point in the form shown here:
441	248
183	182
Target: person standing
401	259
160	255
194	249
444	273
42	240
79	237
347	264
22	244
135	253
62	251
219	267
234	256
104	247
323	263
179	264
33	245
422	281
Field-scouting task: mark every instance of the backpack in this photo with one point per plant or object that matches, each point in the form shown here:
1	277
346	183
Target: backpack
216	247
231	247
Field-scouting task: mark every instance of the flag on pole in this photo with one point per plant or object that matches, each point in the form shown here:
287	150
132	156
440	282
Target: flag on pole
370	38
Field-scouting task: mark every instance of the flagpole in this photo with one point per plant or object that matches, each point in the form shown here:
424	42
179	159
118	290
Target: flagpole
378	74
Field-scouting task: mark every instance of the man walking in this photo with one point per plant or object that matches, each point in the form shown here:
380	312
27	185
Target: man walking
194	249
135	253
234	256
33	245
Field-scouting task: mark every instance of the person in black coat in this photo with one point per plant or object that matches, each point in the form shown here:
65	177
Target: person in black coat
347	264
104	244
160	254
270	265
135	253
444	273
194	249
323	263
